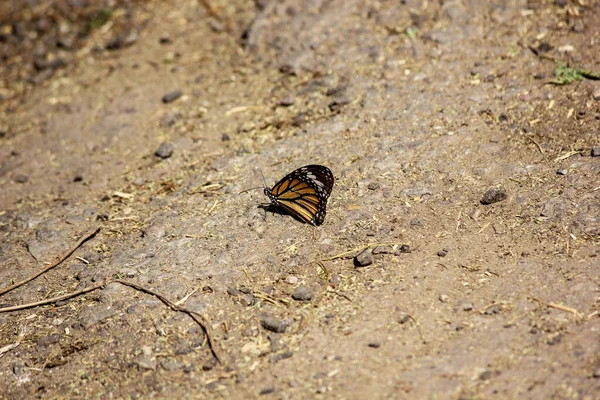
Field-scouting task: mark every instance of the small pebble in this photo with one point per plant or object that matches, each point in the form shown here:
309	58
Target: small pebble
267	390
405	248
596	94
493	196
172	96
292	280
578	27
225	137
416	222
165	150
165	38
373	186
77	178
467	306
335	279
492	310
485	375
596	373
233	292
375	345
268	290
280	356
273	324
286	101
444	298
596	151
561	171
247	300
442	253
363	259
302	293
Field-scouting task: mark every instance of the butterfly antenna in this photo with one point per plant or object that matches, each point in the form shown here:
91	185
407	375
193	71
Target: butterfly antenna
263	176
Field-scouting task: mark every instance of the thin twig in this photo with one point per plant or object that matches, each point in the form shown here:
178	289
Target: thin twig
187	296
565	308
537	144
49	267
557	306
196	316
54	299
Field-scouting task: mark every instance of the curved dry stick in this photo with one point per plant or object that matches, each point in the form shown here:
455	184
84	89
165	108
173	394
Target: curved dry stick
199	318
196	316
66	255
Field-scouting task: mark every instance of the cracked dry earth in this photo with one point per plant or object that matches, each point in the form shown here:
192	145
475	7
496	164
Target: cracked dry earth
420	108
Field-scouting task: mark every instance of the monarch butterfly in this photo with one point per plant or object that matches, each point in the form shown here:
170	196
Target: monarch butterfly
303	193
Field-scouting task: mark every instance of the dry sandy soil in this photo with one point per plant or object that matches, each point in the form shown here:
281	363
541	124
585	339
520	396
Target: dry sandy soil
418	107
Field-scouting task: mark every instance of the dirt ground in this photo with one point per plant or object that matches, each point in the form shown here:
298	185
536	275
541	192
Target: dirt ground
147	119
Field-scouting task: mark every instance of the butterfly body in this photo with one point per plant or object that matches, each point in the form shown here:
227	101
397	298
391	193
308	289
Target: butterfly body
303	193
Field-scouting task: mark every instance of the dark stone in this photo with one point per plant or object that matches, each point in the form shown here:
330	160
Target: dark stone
122	41
442	253
375	345
485	375
363	259
493	196
302	293
247	300
373	186
596	151
404	248
280	356
165	39
225	137
172	96
286	101
273	324
78	178
267	390
42	64
165	150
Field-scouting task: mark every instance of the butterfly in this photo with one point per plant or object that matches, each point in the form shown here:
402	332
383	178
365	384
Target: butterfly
303	193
